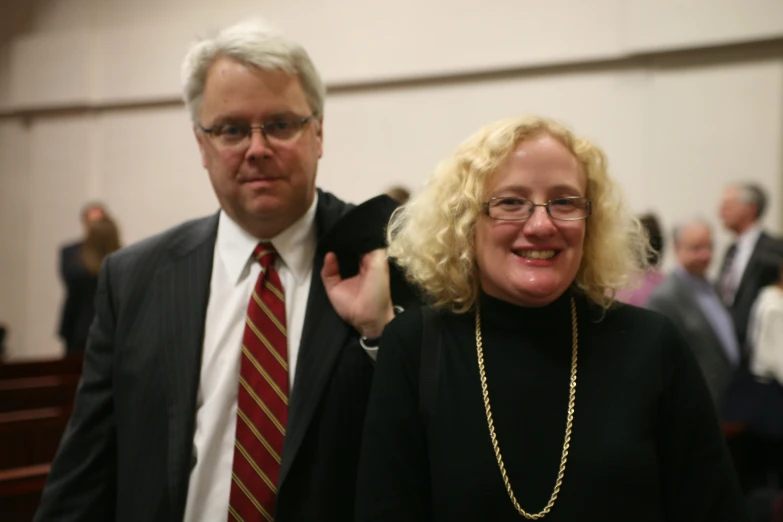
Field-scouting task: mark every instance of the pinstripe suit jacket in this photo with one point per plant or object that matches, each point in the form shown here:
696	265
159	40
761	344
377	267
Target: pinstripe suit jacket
127	452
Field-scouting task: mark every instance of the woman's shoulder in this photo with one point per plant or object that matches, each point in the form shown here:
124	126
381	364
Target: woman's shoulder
409	325
402	342
636	328
631	317
637	338
406	333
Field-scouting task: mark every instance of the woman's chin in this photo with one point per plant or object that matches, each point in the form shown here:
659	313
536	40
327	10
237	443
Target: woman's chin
540	294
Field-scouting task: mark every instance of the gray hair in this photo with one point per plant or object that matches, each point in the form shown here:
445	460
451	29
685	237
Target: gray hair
254	44
681	226
753	194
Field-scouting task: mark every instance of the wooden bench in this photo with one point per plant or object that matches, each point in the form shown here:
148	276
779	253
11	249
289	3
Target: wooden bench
20	492
68	365
36	399
37	392
31	437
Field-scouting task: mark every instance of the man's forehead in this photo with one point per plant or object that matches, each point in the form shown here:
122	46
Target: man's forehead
228	68
236	90
696	231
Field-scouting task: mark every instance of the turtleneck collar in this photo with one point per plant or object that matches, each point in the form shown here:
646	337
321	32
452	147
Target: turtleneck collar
510	316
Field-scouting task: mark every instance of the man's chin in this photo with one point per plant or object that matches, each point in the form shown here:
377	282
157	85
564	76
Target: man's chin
264	202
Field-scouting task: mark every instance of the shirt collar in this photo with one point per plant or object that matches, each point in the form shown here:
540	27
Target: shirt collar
295	245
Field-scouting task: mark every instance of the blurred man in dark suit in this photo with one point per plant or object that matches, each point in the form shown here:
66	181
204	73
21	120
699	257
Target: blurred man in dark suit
227	373
690	301
743	272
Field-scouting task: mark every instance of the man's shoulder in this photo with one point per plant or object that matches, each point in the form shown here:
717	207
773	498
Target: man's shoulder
329	210
668	290
179	238
766	271
766	241
669	283
329	201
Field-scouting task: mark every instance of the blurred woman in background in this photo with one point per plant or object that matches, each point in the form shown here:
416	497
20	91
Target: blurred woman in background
643	286
102	239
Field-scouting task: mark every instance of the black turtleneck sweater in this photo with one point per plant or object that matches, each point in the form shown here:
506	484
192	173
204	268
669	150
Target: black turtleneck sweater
646	444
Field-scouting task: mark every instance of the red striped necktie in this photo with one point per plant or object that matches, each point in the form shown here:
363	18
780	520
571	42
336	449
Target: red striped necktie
262	401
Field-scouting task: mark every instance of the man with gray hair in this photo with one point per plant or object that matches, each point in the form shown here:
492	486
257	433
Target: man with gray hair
227	371
743	272
690	301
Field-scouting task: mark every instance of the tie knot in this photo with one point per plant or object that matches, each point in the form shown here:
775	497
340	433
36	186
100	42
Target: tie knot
265	254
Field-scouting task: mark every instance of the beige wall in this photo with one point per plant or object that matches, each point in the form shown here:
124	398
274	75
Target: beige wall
89	90
15	229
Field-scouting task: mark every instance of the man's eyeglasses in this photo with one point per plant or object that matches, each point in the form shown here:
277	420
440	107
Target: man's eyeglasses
236	135
519	209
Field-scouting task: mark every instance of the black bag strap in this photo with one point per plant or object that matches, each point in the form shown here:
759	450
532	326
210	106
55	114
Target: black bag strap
431	346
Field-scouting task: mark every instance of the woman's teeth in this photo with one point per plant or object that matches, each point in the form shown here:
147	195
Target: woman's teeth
536	254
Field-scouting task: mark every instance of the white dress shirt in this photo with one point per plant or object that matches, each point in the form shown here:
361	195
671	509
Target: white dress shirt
766	334
746	242
234	274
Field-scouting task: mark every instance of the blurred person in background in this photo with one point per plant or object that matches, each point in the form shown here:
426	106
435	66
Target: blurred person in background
691	302
766	324
641	289
79	265
756	393
3	334
399	193
743	272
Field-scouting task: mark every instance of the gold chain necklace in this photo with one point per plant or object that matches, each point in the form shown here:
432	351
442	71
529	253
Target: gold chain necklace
569	423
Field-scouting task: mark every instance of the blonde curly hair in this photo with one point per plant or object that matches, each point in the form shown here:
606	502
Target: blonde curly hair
432	237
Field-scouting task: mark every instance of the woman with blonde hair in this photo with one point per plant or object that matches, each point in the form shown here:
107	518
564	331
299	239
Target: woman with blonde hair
102	239
524	392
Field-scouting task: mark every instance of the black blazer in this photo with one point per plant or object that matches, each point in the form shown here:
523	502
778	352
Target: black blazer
78	309
127	452
757	275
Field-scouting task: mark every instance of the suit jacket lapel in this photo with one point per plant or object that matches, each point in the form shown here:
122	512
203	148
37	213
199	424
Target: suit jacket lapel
183	287
323	337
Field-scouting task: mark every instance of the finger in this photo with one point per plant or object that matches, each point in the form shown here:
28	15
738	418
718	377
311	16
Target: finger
330	273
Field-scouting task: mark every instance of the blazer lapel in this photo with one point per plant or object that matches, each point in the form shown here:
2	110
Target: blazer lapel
183	287
323	337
